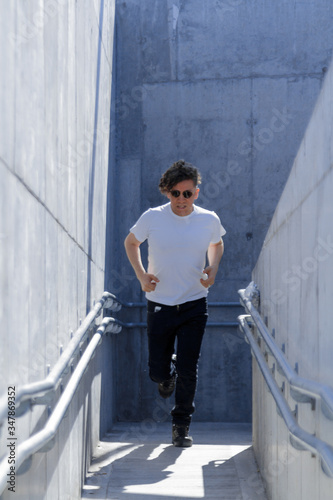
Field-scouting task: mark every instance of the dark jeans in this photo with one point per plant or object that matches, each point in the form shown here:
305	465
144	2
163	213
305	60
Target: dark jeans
185	322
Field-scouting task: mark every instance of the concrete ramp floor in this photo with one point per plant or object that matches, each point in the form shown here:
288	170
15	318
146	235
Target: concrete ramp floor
137	461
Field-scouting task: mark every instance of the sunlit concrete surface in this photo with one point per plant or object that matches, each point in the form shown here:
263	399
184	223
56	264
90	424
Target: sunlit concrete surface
137	461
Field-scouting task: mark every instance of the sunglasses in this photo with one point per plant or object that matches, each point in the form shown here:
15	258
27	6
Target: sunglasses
187	194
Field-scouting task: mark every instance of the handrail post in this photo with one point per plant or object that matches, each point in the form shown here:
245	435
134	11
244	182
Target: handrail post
40	440
300	385
299	438
41	392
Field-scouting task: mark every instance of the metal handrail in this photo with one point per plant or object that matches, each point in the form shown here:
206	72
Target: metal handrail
299	438
123	303
139	324
42	391
302	390
41	440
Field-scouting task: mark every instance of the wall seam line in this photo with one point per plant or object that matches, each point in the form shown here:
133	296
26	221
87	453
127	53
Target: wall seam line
40	201
303	200
236	77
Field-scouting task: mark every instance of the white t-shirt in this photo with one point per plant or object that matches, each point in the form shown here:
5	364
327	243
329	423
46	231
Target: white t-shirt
177	249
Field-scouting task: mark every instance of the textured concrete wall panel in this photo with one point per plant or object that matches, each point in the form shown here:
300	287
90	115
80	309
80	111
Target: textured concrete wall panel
230	86
294	276
56	93
8	70
271	39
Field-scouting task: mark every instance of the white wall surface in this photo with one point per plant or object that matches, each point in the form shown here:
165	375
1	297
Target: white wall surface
295	276
56	73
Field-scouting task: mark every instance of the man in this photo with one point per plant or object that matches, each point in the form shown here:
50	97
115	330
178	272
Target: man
179	235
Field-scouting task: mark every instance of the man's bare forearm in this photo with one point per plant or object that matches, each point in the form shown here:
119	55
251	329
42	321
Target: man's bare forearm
132	247
215	253
134	256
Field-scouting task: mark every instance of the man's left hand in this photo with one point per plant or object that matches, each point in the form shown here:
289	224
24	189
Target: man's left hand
211	272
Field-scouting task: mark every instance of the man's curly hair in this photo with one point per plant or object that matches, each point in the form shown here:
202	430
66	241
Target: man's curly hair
178	172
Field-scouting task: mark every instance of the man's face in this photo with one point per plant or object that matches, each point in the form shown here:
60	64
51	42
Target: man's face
181	205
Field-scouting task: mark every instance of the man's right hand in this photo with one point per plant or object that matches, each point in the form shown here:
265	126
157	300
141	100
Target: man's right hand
148	282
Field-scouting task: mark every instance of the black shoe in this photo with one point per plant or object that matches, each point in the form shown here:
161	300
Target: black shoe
180	436
166	388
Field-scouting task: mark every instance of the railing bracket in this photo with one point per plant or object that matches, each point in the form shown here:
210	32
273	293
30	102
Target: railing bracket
45	399
297	443
300	397
299	438
23	407
327	411
49	445
295	412
25	466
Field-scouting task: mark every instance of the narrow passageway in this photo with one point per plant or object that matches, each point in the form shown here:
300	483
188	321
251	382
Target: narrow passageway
137	461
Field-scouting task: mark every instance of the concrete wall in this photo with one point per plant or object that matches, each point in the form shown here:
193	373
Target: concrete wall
229	86
294	274
56	66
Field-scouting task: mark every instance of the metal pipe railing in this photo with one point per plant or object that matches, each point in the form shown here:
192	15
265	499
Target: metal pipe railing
144	304
299	385
299	438
139	324
40	392
39	440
